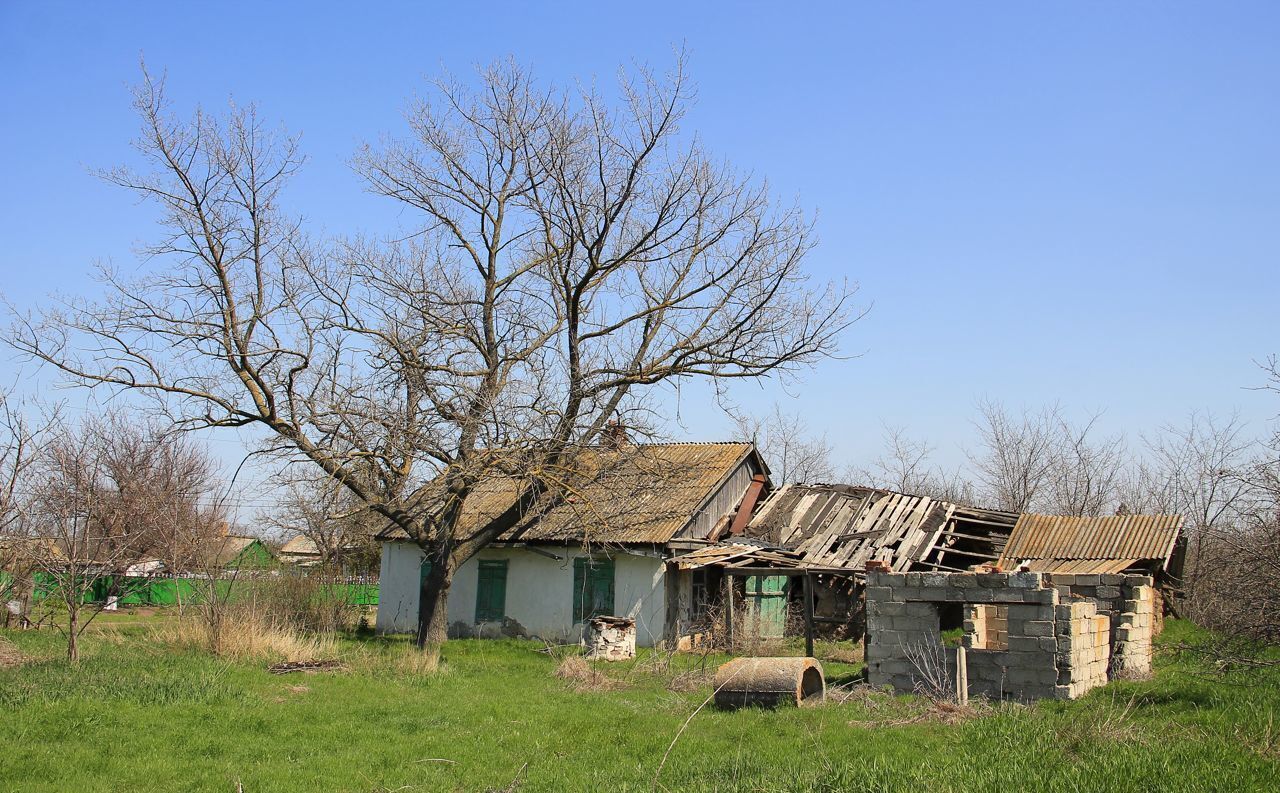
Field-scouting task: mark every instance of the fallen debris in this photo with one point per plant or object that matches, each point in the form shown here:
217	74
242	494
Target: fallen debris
10	656
286	667
584	677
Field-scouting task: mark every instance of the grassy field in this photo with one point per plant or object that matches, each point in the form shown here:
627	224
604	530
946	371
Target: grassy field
139	715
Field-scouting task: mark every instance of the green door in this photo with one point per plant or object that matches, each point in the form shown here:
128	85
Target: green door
767	605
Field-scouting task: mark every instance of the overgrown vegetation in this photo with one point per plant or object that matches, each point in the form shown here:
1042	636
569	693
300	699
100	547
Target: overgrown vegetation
496	716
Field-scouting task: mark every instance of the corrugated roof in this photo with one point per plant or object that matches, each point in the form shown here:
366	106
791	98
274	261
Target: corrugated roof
1057	539
638	494
844	526
1080	566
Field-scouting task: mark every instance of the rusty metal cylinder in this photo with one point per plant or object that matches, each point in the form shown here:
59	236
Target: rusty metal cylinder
769	682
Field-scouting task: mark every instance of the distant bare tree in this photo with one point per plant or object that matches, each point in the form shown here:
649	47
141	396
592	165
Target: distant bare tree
23	432
791	451
1200	471
327	514
1017	455
110	493
905	465
1086	472
569	255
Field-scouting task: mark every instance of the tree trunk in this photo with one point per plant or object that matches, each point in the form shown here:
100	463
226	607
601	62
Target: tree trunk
73	633
433	603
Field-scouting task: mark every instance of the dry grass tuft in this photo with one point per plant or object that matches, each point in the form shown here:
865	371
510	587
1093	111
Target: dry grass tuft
10	656
842	653
1086	730
887	710
418	663
691	680
583	676
249	636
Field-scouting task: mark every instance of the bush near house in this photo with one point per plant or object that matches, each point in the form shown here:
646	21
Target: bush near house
496	716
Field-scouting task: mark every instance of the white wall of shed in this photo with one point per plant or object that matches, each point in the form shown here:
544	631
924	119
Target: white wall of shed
539	590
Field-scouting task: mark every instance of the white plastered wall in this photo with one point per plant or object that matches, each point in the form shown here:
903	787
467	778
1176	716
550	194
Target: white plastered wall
539	590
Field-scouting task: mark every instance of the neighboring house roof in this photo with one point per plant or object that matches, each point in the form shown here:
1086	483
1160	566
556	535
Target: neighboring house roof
1111	544
300	546
845	526
642	493
31	549
233	548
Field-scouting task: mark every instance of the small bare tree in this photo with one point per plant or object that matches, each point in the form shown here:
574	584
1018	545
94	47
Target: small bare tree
569	255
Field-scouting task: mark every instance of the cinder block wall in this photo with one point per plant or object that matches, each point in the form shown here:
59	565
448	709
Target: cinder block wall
1027	635
1083	647
1129	603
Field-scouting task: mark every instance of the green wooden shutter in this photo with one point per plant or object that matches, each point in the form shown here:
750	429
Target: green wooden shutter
592	588
602	588
491	591
579	588
423	571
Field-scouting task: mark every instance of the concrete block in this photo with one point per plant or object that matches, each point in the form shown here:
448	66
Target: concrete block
1108	593
1024	644
1037	628
1025	580
963	581
1024	677
993	580
1111	579
1009	595
878	593
1028	611
936	579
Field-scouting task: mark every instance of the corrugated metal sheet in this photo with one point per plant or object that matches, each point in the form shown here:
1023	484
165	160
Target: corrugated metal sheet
843	526
641	494
1081	566
1107	541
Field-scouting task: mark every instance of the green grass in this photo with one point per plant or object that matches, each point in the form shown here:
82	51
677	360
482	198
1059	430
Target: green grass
140	716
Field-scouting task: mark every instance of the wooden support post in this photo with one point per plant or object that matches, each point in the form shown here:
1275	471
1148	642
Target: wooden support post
962	676
808	614
728	606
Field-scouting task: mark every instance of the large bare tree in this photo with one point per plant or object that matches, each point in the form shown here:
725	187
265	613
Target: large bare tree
567	253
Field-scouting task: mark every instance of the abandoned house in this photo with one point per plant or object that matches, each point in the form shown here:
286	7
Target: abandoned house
602	550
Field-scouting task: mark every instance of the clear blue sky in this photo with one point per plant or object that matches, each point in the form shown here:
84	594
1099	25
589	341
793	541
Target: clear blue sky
1073	202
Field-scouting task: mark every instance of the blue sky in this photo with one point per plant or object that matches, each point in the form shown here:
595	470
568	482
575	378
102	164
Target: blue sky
1043	202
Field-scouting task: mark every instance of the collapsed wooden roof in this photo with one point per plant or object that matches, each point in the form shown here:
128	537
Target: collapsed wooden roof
1087	545
844	526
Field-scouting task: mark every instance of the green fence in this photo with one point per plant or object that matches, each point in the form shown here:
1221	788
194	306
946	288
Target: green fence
154	591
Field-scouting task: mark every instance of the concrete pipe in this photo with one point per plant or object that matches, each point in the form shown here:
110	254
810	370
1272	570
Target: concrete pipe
769	682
